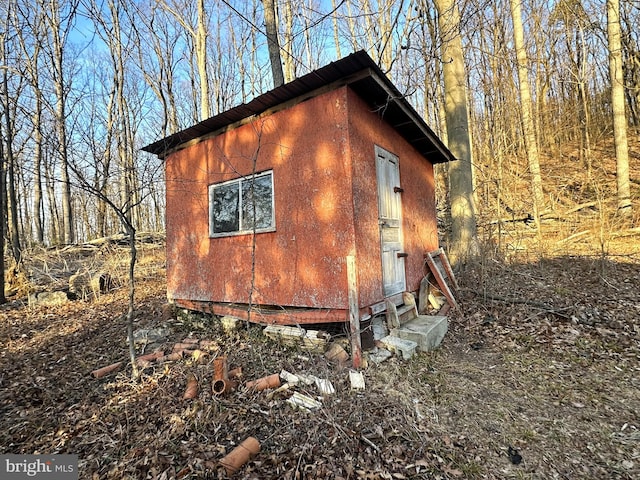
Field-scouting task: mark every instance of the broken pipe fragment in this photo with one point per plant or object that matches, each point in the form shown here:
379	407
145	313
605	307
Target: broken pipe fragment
270	381
172	357
143	360
101	372
221	383
240	455
192	387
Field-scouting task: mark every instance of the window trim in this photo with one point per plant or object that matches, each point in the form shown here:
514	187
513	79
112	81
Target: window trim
239	181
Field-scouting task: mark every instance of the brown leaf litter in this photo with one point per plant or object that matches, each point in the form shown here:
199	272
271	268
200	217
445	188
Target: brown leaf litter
557	383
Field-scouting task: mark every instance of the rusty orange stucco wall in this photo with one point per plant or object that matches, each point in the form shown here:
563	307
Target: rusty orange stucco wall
419	224
321	152
300	263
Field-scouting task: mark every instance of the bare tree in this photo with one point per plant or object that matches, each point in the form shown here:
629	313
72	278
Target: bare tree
153	31
617	106
9	116
198	35
526	111
31	42
273	44
2	210
463	219
59	19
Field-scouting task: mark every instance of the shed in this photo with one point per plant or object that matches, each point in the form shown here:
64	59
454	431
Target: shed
281	209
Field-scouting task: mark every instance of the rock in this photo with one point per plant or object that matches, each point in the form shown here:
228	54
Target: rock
336	353
150	335
48	298
230	324
380	355
83	284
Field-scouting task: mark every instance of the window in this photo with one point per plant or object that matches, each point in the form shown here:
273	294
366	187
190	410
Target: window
242	206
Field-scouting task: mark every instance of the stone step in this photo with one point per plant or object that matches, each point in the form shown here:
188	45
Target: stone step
426	331
406	348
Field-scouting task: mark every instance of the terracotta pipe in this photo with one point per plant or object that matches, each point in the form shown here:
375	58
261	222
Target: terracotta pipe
240	455
171	357
192	387
101	372
220	368
270	381
221	383
222	387
149	357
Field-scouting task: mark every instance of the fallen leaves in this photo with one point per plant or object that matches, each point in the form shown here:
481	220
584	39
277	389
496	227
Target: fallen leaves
562	390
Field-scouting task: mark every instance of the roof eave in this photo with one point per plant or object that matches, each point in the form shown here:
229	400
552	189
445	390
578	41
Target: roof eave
357	71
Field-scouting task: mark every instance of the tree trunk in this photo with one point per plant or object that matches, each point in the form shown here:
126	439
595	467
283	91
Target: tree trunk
38	215
272	42
463	218
2	216
54	215
57	61
12	203
289	67
336	33
526	111
201	58
617	105
133	253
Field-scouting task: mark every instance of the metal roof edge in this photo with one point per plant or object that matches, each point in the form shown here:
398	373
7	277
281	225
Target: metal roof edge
346	71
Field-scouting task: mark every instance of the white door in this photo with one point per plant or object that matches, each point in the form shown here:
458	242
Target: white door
390	220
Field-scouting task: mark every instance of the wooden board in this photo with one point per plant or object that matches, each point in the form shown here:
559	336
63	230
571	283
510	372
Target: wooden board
441	269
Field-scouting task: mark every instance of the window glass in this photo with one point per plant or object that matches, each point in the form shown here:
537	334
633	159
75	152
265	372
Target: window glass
242	205
257	203
226	203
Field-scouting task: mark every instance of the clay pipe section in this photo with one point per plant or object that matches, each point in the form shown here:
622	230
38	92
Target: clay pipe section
101	372
221	383
270	381
240	455
192	387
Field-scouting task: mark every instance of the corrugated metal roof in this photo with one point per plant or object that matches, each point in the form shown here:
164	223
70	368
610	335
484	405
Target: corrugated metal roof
361	74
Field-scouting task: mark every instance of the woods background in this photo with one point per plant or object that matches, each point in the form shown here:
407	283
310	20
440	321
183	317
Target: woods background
84	84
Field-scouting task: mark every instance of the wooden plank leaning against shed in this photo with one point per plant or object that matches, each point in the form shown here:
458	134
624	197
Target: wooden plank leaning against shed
354	312
438	274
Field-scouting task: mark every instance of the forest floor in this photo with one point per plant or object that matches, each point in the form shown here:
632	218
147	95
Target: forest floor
556	379
542	358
